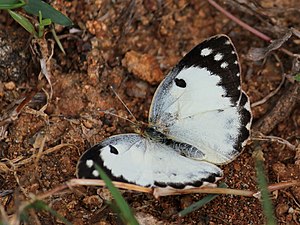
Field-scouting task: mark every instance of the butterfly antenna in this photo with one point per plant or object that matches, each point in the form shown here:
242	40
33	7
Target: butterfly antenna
110	113
123	104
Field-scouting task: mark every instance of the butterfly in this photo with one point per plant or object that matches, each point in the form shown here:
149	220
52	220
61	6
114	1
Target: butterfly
199	118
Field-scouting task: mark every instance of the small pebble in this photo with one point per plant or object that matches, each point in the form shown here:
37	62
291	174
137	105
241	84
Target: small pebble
10	85
93	201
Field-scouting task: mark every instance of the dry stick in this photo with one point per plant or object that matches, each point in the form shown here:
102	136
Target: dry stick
21	161
247	27
158	192
280	111
4	217
239	22
261	137
270	95
40	152
15	113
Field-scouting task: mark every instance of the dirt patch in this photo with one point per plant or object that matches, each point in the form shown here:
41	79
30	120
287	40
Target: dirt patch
113	39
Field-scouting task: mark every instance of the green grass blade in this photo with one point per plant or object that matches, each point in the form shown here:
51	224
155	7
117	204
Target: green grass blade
48	12
201	202
11	4
265	195
42	24
57	40
124	208
3	223
24	22
297	77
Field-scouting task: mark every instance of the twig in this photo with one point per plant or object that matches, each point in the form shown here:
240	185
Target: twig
239	22
280	140
280	111
271	94
4	217
279	186
15	163
247	27
158	192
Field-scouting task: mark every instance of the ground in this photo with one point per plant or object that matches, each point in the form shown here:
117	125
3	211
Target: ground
130	45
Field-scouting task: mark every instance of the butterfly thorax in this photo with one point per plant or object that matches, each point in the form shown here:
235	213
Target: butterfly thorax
152	133
187	150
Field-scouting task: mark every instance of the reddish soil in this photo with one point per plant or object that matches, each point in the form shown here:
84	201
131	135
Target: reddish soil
131	45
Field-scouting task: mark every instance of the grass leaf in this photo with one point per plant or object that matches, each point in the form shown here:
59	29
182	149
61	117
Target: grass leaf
24	22
11	4
48	12
263	187
57	40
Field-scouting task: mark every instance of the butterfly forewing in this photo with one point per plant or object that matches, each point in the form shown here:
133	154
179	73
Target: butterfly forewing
200	102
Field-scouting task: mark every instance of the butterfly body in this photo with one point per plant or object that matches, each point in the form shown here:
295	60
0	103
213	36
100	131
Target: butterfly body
199	118
180	147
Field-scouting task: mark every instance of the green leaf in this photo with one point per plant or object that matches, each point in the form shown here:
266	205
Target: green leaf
9	1
48	12
297	77
125	211
57	40
24	22
46	22
201	202
42	24
11	4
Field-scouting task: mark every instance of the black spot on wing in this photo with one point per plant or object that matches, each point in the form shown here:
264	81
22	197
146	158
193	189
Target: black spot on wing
180	83
226	67
83	171
113	150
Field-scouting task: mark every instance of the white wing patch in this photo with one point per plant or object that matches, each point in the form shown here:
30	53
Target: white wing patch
190	115
206	51
218	57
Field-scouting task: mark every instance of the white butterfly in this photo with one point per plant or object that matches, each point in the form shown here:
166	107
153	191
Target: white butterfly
199	118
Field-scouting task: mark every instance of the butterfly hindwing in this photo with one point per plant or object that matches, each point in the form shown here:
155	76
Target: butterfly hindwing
200	102
133	159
